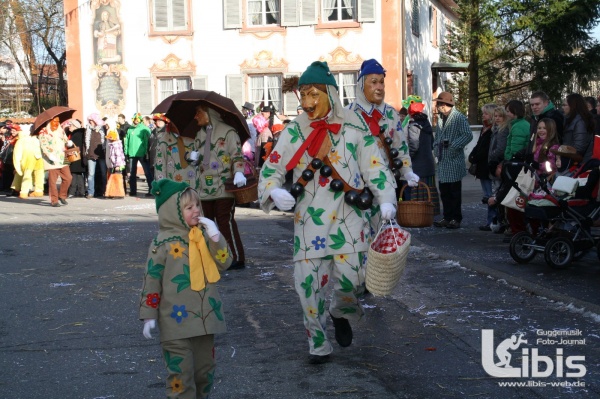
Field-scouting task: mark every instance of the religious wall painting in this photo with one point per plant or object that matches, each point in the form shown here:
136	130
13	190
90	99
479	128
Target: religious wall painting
109	82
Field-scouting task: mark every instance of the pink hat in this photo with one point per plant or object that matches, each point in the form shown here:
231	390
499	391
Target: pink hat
95	117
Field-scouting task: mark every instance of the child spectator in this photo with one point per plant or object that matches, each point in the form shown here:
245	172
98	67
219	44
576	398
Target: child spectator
546	139
179	288
115	162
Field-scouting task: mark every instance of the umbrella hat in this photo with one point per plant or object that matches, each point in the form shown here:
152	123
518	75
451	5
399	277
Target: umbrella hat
63	113
182	110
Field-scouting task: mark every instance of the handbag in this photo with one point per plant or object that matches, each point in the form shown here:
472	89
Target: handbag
386	258
517	198
473	169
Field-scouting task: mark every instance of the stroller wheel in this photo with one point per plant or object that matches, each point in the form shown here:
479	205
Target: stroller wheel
521	249
559	252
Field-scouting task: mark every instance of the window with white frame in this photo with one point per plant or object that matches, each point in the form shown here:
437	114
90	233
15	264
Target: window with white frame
346	82
338	10
170	15
265	90
263	12
169	86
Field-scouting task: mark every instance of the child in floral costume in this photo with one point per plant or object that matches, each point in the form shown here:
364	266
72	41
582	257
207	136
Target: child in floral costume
333	161
179	289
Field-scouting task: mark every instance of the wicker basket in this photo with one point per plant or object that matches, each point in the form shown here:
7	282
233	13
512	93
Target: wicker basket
415	213
386	259
247	193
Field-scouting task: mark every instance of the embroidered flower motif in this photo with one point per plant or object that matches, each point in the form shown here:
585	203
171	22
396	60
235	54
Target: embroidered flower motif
312	312
179	313
176	250
357	180
341	258
297	217
334	157
362	236
191	174
399	126
221	143
214	165
333	216
274	157
153	300
318	242
324	280
348	299
178	178
222	255
225	159
323	181
374	161
308	333
177	385
406	162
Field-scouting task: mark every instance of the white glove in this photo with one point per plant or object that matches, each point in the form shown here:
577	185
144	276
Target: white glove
388	211
239	179
149	324
412	179
70	144
211	228
282	199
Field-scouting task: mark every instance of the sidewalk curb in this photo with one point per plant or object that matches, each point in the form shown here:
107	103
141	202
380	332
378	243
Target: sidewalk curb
513	281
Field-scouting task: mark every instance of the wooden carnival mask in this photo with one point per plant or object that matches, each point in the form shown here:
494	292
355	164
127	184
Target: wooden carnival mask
315	102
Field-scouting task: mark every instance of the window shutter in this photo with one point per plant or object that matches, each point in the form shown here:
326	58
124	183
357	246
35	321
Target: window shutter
308	12
161	14
200	82
235	89
179	19
366	10
290	101
289	12
144	95
232	13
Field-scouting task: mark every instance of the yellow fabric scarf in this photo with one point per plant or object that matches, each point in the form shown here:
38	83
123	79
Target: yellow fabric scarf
201	263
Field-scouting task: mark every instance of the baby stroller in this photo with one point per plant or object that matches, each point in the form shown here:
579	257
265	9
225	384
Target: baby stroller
565	223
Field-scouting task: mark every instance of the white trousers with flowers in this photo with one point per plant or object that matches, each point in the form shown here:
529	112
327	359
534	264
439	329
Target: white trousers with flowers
311	279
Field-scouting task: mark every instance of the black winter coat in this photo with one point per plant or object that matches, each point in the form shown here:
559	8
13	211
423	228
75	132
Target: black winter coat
479	154
77	137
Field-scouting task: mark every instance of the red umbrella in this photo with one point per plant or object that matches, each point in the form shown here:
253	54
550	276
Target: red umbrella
42	119
183	105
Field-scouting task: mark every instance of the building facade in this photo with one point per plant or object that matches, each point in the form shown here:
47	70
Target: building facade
127	56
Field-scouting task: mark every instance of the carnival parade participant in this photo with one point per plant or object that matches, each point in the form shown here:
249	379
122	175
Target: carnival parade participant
381	121
331	233
219	156
180	291
52	142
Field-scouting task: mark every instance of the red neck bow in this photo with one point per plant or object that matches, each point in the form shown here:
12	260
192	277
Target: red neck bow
314	141
373	121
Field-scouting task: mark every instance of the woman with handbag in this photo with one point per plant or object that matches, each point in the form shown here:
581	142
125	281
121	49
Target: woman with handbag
479	158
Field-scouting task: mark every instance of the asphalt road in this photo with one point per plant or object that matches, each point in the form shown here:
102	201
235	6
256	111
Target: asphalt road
70	279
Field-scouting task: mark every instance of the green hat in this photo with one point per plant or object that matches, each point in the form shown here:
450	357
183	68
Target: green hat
163	189
318	72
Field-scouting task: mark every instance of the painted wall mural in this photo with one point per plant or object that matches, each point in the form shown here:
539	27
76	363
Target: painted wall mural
109	82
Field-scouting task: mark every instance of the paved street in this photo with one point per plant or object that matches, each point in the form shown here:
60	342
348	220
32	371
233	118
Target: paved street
70	280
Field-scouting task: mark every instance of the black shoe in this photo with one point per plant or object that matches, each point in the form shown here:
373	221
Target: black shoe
485	228
343	331
63	201
454	224
132	194
237	265
441	223
148	195
55	204
316	359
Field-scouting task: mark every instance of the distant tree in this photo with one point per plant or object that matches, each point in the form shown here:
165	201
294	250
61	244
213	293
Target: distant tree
514	46
34	35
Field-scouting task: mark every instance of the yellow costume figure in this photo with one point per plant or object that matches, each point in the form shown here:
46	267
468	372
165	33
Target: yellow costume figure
29	166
